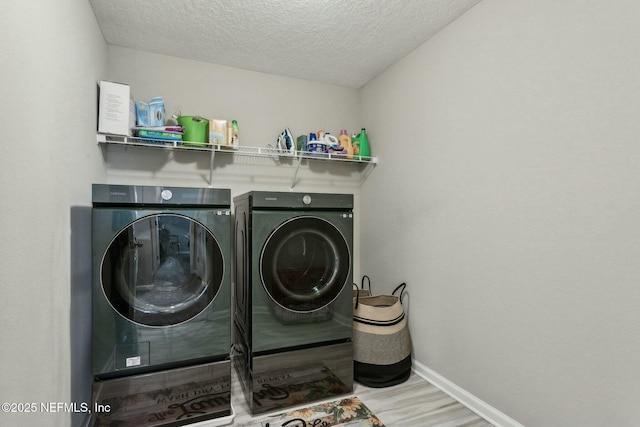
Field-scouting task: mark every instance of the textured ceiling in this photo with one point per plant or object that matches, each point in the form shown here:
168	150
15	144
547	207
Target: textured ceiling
343	42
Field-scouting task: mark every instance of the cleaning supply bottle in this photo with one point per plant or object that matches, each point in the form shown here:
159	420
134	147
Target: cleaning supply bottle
345	143
234	136
355	143
365	150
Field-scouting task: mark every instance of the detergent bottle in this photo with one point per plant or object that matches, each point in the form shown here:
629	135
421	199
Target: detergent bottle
363	143
345	143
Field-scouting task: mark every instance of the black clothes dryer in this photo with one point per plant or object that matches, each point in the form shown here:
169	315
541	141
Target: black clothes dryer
292	297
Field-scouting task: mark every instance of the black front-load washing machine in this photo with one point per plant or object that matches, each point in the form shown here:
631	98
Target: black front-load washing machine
161	289
293	298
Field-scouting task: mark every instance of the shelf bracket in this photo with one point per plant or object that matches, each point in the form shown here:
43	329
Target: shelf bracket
211	162
367	170
295	174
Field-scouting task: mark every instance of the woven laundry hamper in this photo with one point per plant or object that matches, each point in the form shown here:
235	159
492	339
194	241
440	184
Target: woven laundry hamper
381	340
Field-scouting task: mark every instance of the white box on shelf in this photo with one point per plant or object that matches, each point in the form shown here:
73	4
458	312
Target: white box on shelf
116	108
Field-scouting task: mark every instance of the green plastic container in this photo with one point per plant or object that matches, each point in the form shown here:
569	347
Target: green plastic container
196	129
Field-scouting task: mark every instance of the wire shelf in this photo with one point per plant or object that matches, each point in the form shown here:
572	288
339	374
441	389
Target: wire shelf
240	150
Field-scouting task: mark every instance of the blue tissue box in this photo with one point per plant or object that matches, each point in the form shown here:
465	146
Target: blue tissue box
151	114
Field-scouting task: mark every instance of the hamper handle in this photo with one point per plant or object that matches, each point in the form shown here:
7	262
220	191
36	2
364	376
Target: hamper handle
368	282
362	287
402	285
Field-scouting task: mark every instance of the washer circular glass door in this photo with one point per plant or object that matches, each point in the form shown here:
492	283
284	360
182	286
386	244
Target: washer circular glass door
305	264
162	270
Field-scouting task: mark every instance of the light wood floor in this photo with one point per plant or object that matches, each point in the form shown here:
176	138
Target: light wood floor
415	403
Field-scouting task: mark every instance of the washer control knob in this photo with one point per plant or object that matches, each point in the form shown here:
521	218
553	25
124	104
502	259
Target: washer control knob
306	199
166	194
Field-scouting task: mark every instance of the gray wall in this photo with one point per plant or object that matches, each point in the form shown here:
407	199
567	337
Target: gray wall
53	53
263	105
507	198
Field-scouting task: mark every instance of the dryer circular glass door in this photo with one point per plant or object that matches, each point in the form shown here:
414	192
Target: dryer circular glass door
162	270
304	264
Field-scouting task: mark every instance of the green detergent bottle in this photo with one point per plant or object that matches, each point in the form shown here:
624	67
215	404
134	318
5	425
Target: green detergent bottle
365	150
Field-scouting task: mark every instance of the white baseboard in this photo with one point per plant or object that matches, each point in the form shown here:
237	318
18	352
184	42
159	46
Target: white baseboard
478	406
